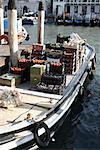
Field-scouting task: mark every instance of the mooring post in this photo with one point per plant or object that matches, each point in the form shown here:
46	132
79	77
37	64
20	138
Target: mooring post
1	21
41	14
12	32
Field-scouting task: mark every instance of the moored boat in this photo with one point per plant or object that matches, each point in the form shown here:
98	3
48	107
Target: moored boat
86	20
30	18
59	20
68	20
22	33
40	90
77	20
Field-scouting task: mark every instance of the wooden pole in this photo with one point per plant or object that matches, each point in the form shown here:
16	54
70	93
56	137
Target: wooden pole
1	21
41	14
12	32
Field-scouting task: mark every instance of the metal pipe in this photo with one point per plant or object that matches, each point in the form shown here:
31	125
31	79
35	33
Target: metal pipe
1	21
12	32
41	14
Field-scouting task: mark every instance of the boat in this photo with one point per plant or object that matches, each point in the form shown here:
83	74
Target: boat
49	19
59	20
86	20
93	22
22	33
77	21
30	18
36	95
98	22
55	76
68	20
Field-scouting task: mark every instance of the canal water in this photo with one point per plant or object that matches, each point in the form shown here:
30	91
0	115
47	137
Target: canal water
81	129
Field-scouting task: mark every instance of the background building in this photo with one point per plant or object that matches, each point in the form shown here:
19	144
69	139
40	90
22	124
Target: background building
24	6
58	7
81	7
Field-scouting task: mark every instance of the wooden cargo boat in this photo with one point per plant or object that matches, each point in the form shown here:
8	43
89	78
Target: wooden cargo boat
56	76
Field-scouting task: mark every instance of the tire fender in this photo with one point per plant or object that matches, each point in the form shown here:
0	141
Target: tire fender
44	139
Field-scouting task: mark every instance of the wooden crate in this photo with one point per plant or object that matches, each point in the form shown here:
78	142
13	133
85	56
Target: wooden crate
35	73
10	80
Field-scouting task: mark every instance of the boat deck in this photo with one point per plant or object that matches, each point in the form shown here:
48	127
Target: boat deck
34	105
33	102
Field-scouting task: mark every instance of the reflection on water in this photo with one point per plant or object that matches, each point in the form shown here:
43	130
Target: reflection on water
81	130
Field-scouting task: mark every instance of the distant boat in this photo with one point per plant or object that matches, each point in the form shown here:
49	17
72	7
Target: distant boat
30	18
78	20
68	20
59	20
22	33
86	20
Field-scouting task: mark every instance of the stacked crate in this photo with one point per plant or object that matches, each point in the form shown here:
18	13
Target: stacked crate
56	68
25	64
37	51
81	53
18	71
25	54
69	59
36	72
4	65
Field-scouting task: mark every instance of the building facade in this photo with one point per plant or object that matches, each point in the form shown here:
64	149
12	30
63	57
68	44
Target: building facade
24	6
57	7
81	7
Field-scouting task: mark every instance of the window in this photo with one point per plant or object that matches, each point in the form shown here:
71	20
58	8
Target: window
84	9
93	8
76	9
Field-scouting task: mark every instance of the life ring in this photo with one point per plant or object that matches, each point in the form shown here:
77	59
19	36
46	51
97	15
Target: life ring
21	38
43	140
4	36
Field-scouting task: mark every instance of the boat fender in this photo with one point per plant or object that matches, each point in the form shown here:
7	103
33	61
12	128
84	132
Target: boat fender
28	37
90	75
81	91
93	63
43	140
